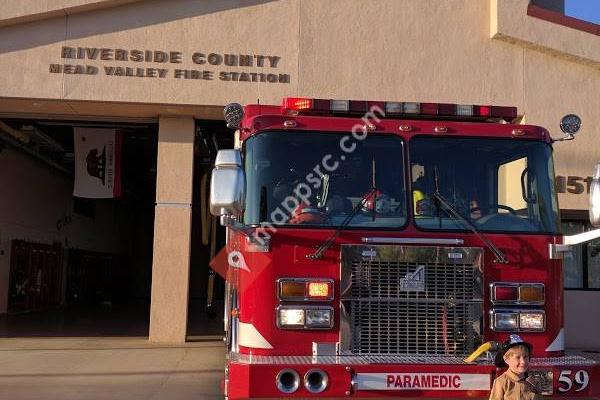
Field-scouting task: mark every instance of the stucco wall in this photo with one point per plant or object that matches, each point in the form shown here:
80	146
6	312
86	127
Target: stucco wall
182	26
32	199
509	22
172	231
464	51
412	51
581	324
14	12
555	87
459	51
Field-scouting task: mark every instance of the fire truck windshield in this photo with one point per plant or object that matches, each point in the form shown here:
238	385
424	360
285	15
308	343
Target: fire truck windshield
499	185
317	178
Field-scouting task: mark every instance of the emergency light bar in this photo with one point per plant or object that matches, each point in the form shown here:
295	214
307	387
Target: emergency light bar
295	105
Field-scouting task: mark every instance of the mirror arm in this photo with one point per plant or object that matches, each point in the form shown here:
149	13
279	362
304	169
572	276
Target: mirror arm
568	136
556	250
230	222
260	244
581	237
594	190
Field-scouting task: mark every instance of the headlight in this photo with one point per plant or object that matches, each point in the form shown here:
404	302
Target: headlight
291	317
532	321
319	318
505	321
518	320
304	317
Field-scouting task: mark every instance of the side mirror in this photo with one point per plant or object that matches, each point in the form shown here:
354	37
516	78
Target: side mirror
595	198
234	114
227	185
570	125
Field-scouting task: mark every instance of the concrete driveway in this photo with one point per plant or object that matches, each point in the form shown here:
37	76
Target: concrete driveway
110	368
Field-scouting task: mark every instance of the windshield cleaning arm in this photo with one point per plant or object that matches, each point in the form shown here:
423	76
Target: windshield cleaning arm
363	200
500	256
327	244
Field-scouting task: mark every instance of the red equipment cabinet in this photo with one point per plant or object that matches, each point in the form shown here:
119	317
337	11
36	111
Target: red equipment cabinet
35	276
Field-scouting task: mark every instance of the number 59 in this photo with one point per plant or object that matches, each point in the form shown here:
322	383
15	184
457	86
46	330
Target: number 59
581	378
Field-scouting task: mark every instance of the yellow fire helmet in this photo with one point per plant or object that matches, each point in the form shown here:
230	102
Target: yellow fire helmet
417	197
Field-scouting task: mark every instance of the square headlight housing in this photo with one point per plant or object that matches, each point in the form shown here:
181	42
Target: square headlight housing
506	320
319	318
532	320
291	317
304	317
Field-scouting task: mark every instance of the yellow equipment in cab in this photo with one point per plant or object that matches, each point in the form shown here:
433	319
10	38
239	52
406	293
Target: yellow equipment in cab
417	197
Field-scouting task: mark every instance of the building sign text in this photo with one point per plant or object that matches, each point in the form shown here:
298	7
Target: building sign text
573	184
167	61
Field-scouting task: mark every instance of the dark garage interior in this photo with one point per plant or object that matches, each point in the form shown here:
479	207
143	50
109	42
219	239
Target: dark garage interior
91	273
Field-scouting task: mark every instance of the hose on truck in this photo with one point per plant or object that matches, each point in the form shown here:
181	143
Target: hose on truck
487	346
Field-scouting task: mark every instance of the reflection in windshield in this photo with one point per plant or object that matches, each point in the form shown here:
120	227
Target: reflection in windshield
498	184
306	178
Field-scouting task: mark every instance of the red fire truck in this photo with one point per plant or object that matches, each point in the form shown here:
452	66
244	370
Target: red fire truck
373	246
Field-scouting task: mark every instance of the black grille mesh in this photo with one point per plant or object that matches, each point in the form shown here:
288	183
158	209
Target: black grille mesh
436	320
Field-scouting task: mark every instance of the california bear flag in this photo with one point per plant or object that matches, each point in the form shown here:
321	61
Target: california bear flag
97	163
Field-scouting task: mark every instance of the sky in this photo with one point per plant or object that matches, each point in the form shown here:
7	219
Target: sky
587	10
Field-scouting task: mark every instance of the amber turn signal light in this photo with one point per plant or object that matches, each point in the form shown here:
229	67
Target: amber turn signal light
305	289
319	289
531	294
292	289
518	293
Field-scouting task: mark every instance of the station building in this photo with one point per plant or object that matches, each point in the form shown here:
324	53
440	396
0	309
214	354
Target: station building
156	74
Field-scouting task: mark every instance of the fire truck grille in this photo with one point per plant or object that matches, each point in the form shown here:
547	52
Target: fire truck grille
411	300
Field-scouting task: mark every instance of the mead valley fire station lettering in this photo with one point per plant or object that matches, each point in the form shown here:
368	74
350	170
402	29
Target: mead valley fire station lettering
207	60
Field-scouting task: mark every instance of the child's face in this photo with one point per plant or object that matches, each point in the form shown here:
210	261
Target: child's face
518	361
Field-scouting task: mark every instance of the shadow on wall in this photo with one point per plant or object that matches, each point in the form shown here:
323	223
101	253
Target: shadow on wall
117	19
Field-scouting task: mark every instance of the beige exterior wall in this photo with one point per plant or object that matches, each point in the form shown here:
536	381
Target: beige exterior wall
188	27
459	51
32	199
509	22
581	322
172	230
464	51
21	11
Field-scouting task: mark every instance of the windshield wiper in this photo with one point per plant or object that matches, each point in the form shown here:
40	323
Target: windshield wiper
324	191
500	256
263	207
373	187
327	244
363	200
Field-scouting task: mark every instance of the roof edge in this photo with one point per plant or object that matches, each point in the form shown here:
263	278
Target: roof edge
20	17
